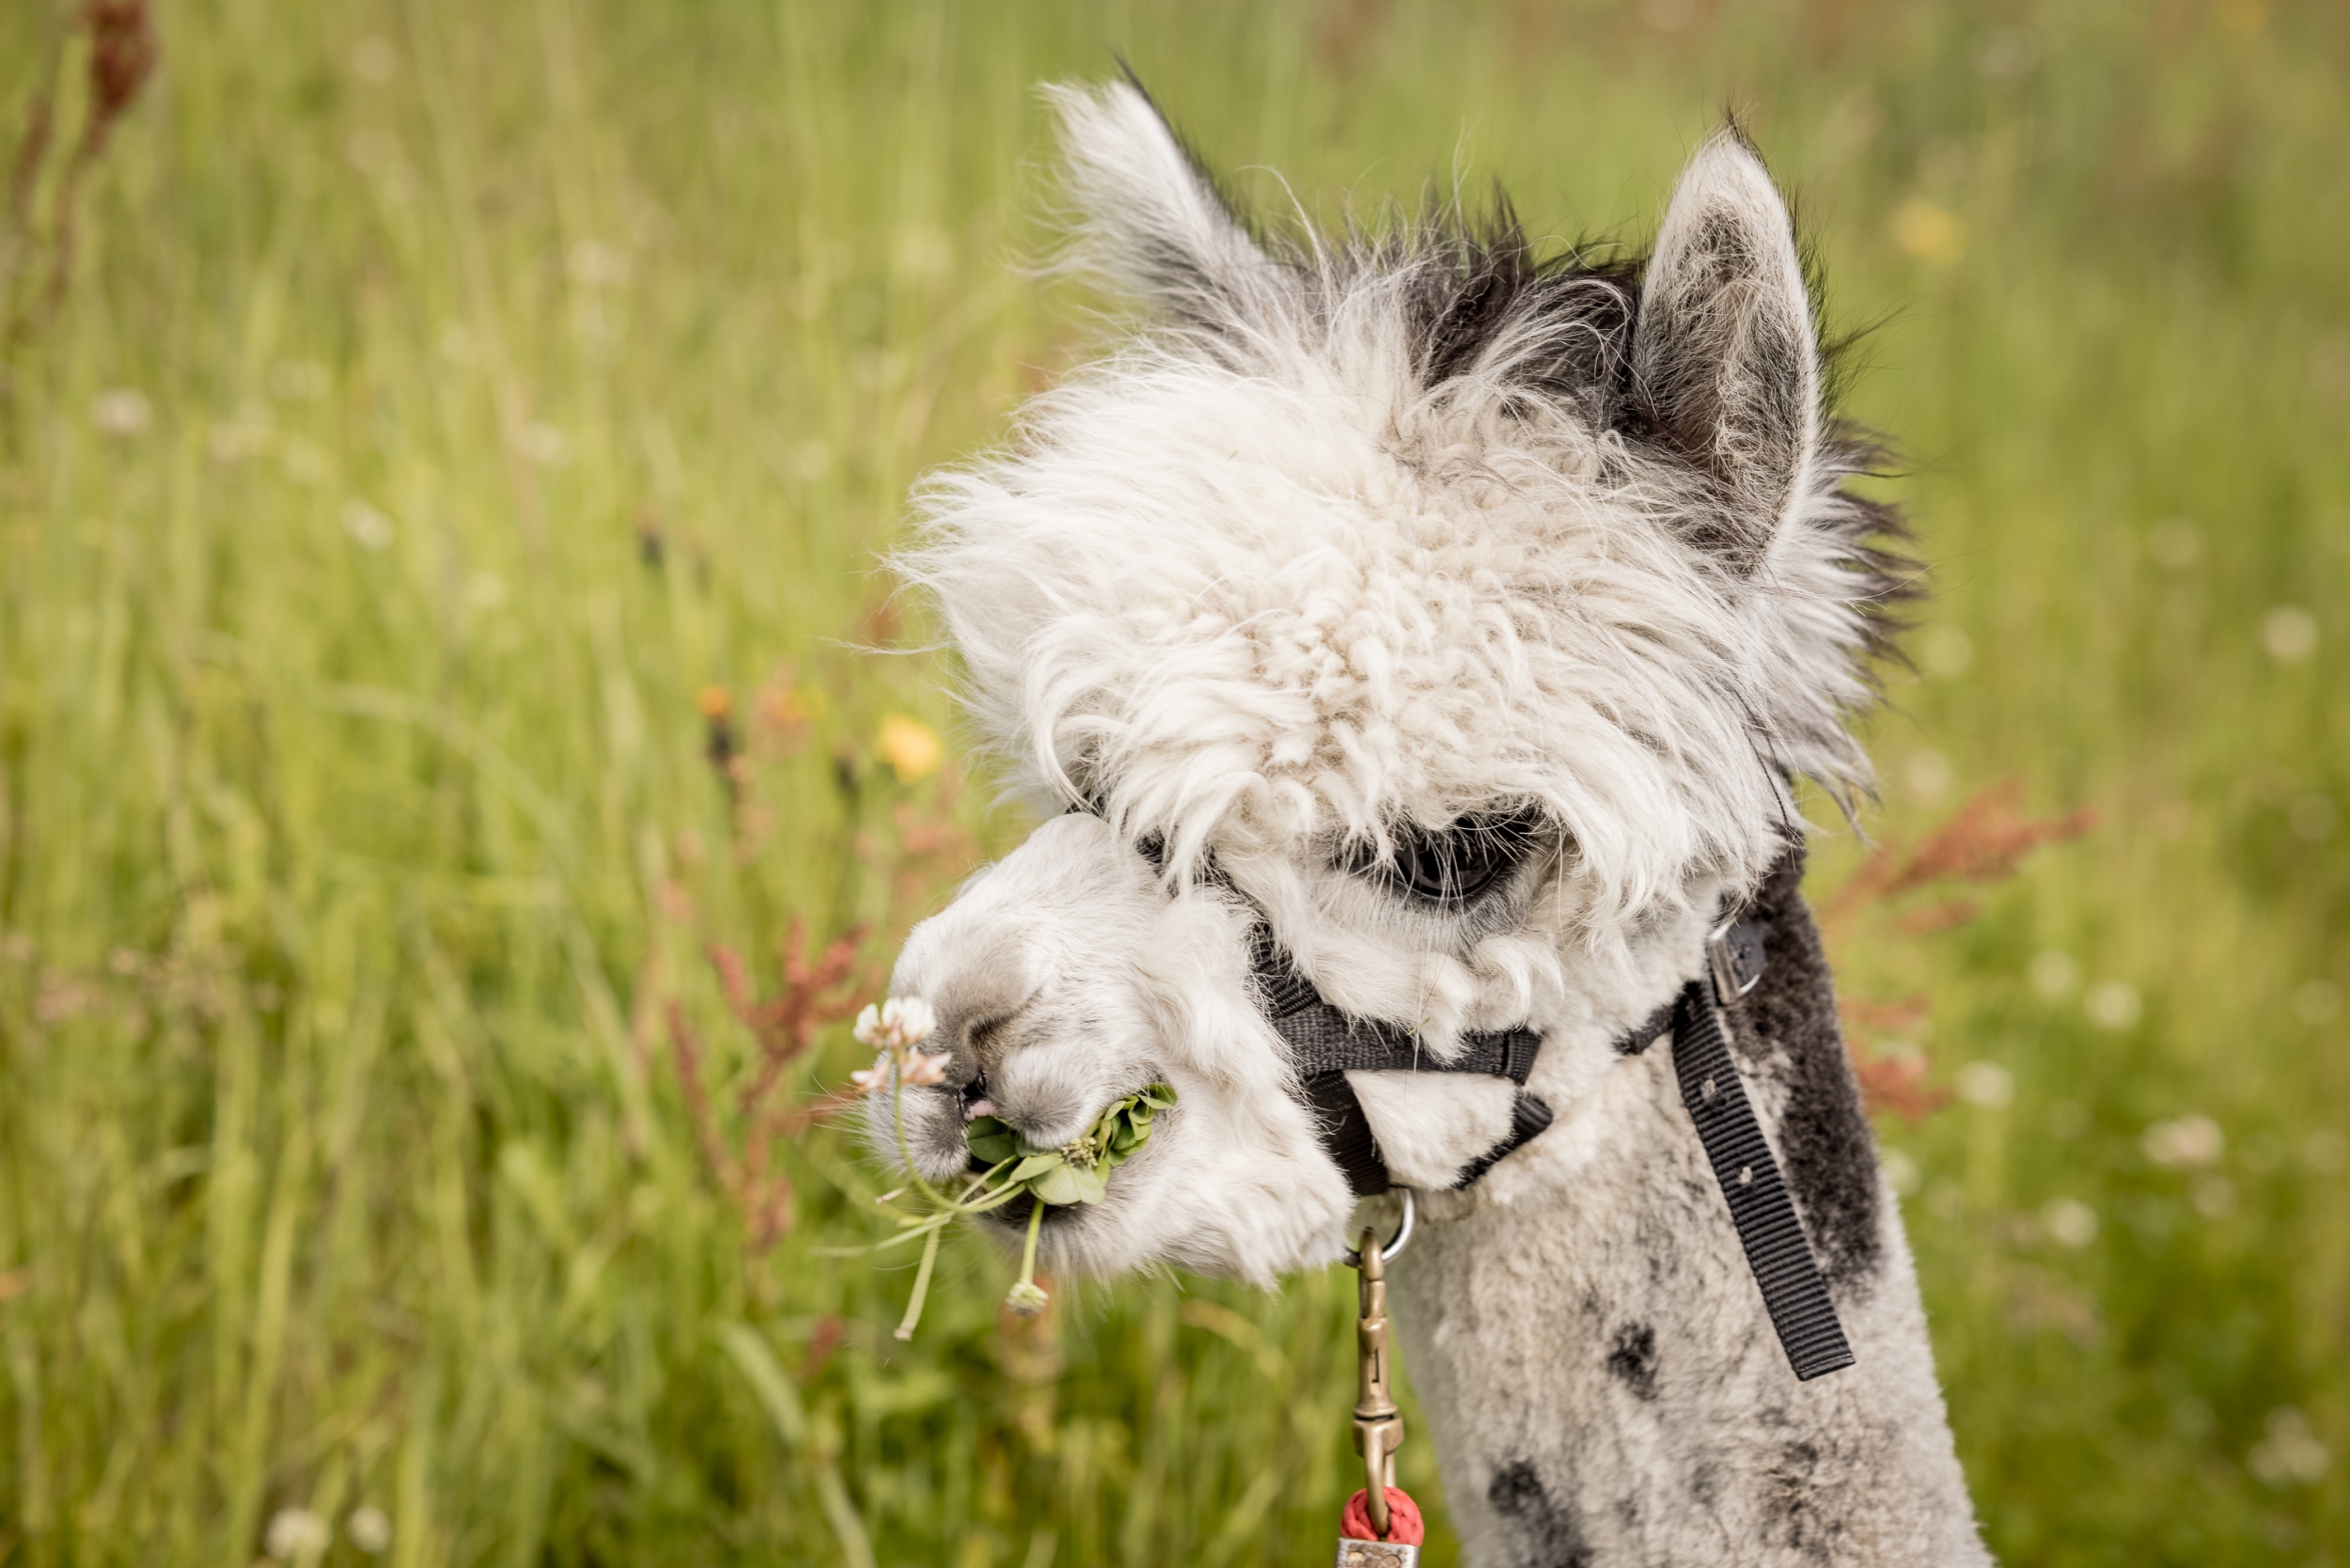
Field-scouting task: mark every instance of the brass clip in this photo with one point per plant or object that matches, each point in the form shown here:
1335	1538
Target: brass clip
1378	1425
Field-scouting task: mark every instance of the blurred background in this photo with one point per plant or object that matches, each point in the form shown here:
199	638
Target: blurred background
459	766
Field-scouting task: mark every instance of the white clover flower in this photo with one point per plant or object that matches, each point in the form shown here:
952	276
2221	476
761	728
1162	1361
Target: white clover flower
1986	1084
295	1534
2054	974
2288	633
896	1024
1027	1299
123	411
2069	1222
2292	1454
2113	1004
922	1071
873	1079
368	1528
366	525
2184	1142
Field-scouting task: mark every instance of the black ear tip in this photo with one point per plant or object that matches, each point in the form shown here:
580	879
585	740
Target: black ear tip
1126	70
1734	129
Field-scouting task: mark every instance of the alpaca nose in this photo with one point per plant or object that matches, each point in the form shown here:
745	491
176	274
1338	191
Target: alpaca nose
974	989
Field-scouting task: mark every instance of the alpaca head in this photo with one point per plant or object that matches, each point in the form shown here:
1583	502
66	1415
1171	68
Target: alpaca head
1465	617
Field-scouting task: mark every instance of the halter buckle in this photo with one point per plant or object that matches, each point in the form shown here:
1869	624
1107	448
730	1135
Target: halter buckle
1734	951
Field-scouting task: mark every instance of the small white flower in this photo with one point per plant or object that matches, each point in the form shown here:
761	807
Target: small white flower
2291	1453
295	1534
1947	651
2184	1142
2054	974
2113	1004
2069	1222
873	1079
922	1071
896	1024
2288	633
1027	1299
1986	1084
366	525
1929	774
124	410
369	1528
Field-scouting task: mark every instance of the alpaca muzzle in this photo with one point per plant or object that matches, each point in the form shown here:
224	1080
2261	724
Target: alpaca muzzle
1328	1043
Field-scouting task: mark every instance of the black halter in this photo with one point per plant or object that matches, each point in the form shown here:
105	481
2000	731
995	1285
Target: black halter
1327	1045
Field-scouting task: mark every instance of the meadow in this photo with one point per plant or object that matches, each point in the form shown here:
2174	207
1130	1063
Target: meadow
445	455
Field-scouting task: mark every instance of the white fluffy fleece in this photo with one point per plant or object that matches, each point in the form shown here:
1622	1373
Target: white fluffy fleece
1367	537
1256	581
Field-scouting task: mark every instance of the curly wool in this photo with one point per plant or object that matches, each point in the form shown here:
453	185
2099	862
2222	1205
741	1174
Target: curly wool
1325	553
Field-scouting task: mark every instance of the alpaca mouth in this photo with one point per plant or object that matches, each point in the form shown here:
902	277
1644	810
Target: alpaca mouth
1015	1169
1014	1215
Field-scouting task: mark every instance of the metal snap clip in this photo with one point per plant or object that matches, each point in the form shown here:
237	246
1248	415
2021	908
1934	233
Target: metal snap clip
1395	1245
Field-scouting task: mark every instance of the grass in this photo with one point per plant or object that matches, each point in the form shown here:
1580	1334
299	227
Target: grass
445	395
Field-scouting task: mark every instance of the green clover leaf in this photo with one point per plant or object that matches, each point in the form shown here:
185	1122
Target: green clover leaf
1078	1172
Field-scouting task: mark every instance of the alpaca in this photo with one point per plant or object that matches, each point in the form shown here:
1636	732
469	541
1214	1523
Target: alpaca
1433	632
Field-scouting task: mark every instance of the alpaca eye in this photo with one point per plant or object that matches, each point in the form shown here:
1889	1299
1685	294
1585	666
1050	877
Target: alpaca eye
1460	863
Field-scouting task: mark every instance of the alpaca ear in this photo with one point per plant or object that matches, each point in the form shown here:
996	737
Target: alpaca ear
1724	356
1151	215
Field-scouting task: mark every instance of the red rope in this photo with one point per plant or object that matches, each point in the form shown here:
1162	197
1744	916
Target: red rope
1404	1526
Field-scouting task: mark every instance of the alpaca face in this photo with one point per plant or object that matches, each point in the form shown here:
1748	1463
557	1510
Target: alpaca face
1463	617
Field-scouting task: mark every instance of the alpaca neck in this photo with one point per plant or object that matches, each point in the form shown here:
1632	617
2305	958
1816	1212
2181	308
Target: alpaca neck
1599	1379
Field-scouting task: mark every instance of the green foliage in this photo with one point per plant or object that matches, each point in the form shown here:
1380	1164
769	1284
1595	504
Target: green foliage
444	394
1078	1172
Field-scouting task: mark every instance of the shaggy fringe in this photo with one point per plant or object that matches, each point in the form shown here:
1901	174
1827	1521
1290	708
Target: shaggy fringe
1377	529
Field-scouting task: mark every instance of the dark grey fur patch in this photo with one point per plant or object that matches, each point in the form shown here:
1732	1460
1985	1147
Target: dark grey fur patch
1830	1154
1794	1514
1549	1534
1632	1360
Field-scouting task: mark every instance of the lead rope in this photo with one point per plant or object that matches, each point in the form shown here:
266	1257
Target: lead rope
1381	1525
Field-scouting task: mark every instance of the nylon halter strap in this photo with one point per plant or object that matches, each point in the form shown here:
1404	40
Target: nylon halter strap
1329	1043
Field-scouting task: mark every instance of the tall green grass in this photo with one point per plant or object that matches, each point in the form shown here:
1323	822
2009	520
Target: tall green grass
446	394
